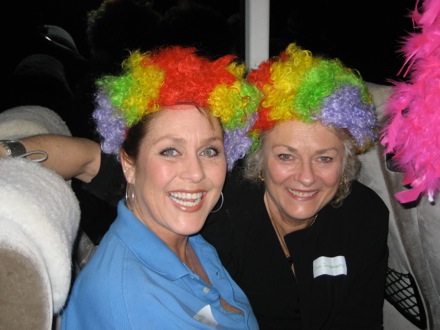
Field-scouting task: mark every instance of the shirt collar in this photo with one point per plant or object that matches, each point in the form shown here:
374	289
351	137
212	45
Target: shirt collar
146	245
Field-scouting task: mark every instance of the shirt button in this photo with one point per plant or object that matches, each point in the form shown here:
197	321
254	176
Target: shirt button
205	290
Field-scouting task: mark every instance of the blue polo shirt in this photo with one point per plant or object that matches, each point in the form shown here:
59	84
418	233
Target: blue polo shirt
134	281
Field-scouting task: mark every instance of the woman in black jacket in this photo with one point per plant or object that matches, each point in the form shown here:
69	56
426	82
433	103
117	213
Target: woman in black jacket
303	238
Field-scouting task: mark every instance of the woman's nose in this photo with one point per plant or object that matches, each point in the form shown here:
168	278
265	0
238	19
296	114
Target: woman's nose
306	174
193	169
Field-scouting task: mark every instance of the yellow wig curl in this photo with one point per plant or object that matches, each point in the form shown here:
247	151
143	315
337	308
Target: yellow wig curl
175	75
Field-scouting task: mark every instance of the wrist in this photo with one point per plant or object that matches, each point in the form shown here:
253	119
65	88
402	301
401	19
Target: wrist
11	148
16	149
3	151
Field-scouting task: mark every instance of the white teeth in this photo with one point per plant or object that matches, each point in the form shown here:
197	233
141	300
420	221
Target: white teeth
186	199
301	194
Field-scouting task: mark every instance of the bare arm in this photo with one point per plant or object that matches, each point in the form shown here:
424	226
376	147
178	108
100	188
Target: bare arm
71	157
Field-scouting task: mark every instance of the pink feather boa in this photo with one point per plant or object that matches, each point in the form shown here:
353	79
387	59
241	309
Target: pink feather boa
412	132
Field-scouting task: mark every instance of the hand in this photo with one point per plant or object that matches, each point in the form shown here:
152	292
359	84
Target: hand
3	152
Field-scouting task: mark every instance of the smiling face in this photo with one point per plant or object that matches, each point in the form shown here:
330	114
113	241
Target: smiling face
303	165
179	172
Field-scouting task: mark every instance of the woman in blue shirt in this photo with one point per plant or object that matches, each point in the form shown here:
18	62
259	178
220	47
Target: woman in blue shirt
175	120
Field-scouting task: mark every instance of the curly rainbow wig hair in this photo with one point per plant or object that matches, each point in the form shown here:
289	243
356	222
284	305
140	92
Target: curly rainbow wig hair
175	75
299	86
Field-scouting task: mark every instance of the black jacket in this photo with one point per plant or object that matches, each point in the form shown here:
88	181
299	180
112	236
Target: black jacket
248	247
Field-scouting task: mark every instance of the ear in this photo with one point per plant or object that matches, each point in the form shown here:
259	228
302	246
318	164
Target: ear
128	166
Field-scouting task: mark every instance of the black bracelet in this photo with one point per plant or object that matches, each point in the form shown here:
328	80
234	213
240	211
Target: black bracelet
13	148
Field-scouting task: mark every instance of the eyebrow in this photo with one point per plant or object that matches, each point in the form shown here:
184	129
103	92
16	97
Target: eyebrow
318	152
180	140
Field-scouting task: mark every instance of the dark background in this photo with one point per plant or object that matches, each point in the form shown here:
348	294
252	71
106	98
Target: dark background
365	35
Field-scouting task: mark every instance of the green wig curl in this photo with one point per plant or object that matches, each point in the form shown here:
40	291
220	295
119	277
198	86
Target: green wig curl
171	76
297	85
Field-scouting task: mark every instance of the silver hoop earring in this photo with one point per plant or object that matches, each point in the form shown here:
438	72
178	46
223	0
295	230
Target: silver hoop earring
221	204
129	196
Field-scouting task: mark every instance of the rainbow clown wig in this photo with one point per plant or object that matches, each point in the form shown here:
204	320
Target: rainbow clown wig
297	85
171	76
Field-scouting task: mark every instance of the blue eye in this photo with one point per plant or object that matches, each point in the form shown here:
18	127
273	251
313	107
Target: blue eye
284	157
169	152
210	152
325	159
